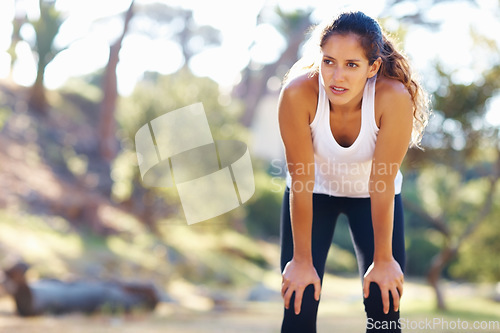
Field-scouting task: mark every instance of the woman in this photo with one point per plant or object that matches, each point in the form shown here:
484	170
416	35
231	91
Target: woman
346	121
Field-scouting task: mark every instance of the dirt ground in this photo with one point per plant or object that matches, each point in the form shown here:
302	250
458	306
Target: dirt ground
341	310
254	317
341	307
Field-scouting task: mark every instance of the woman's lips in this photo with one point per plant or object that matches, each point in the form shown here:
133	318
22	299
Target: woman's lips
338	90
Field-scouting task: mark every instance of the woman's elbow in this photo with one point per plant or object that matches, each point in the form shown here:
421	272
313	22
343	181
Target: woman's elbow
381	188
302	184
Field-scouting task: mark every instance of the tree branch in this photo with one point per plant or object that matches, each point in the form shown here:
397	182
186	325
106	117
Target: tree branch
437	222
486	209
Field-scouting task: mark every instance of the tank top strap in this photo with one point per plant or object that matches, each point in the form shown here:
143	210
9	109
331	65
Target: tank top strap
323	107
368	105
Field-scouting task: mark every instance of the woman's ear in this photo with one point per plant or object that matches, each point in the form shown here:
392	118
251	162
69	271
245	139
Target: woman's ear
374	67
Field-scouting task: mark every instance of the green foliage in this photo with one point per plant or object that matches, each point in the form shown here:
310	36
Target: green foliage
46	28
422	242
207	255
214	255
159	21
340	260
342	236
264	208
87	87
445	192
452	185
291	22
419	250
157	95
461	109
455	198
5	113
478	259
153	97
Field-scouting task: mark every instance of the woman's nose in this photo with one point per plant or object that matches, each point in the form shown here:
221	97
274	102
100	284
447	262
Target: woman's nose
338	75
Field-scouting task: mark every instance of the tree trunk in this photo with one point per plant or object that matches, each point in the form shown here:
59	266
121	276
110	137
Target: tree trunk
448	253
439	262
256	86
107	123
38	99
254	83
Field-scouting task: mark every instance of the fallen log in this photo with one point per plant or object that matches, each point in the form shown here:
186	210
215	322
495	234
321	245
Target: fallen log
51	296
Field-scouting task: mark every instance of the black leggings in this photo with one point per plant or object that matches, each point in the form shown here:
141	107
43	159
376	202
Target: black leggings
326	210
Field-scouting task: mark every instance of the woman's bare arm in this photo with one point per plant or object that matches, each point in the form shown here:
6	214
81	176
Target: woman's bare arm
296	107
396	120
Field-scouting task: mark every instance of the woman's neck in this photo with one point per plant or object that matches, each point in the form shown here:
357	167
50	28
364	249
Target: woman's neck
347	109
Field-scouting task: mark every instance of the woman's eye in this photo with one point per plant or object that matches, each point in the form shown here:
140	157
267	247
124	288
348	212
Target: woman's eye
327	62
353	65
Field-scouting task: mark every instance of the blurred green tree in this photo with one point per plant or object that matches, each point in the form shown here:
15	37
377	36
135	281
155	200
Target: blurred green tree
456	185
154	96
156	20
17	23
253	85
46	29
478	260
160	21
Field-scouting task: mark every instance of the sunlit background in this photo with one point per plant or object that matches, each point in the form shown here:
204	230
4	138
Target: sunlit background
73	205
242	39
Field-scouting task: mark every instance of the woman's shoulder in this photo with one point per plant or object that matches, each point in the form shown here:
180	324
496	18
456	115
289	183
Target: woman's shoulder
299	97
388	88
302	86
391	95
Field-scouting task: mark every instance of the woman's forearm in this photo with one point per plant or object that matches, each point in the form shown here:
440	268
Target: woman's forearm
382	206
301	219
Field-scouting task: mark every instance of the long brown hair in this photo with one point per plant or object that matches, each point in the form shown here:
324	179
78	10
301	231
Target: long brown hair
376	44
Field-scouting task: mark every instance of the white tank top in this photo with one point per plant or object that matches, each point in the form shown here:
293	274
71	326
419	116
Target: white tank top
345	171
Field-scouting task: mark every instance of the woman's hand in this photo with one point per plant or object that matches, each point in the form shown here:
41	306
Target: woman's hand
389	277
297	275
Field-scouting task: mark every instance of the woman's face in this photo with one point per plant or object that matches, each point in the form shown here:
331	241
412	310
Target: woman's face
345	69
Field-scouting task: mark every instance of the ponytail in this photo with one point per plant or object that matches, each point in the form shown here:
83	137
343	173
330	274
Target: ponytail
396	66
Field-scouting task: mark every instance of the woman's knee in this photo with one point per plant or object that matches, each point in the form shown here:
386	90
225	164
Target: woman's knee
374	304
305	321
